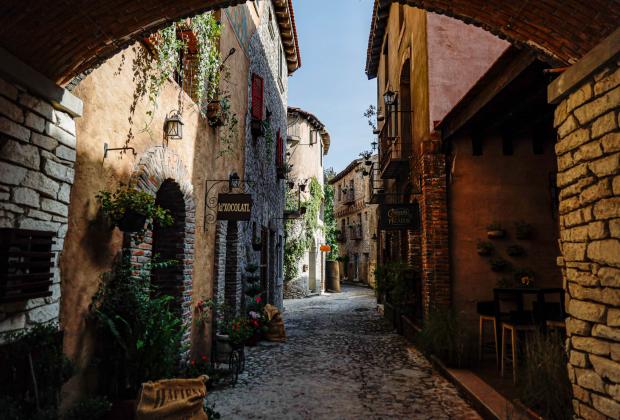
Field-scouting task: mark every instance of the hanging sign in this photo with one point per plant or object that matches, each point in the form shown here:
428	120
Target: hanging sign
325	248
399	216
235	207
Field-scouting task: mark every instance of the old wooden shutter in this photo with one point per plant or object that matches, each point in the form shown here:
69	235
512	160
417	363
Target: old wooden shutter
257	97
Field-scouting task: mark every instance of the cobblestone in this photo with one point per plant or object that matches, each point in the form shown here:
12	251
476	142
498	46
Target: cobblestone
341	361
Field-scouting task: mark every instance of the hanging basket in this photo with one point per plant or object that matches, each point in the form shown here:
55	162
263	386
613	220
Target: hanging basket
214	114
132	221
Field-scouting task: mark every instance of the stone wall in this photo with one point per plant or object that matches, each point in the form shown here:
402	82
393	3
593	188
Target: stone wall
588	150
37	156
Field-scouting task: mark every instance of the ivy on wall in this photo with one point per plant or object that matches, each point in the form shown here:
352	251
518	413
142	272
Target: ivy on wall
330	217
300	234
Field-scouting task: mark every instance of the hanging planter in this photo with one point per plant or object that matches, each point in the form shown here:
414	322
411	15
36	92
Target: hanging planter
131	222
214	114
484	248
495	231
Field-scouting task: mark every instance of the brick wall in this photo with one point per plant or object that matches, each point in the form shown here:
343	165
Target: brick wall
37	156
434	228
588	150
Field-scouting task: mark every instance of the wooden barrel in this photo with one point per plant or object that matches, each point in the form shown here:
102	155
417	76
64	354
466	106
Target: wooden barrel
332	277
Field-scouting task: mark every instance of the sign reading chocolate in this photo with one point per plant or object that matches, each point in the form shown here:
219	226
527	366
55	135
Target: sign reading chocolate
235	207
400	216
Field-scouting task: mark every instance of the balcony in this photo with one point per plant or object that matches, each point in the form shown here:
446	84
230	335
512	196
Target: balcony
376	185
348	197
393	156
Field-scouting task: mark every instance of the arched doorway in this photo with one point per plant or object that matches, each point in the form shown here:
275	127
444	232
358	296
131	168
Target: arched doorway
168	244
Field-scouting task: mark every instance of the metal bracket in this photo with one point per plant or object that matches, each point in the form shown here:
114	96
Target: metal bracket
107	149
211	195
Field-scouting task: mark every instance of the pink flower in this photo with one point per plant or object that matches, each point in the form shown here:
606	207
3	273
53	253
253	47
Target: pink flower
258	299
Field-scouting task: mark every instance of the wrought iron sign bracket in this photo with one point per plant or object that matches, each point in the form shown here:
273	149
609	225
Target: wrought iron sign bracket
215	187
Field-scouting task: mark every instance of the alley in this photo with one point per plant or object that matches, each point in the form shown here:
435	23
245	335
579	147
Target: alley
341	361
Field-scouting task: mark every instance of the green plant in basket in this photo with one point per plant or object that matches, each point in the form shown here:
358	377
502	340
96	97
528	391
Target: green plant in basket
129	209
239	330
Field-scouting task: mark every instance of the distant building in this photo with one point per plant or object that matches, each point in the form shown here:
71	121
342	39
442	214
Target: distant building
356	220
307	142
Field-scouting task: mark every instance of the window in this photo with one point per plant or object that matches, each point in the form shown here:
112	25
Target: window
340	192
257	97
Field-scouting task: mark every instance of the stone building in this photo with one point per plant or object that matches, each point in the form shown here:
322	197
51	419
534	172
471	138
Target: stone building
307	142
356	221
49	178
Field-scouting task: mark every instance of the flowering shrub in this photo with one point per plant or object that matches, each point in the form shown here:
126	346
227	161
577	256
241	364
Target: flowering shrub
239	330
198	366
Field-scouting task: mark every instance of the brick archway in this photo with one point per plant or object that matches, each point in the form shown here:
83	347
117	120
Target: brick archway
161	173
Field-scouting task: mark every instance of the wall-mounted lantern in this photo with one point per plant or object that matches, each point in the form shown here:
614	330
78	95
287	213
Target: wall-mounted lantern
233	181
389	97
173	126
373	144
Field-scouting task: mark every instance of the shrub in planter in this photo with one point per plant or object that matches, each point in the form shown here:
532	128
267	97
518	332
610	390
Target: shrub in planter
130	209
495	231
484	248
515	251
498	264
523	230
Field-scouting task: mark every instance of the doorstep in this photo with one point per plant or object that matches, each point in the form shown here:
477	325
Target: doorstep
489	403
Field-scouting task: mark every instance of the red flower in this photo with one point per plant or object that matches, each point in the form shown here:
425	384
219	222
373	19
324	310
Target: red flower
258	299
204	357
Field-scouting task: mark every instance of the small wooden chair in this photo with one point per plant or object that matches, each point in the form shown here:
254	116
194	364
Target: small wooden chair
513	329
486	315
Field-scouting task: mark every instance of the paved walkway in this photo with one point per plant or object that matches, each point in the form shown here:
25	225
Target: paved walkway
341	361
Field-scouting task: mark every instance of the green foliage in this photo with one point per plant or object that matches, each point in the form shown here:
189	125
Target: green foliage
298	241
448	338
212	413
124	199
43	345
139	334
371	116
395	280
94	408
239	330
543	382
329	218
485	247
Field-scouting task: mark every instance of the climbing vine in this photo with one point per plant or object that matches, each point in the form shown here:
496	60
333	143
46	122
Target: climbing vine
330	218
300	234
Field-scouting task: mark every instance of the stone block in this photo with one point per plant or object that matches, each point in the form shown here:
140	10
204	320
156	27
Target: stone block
36	214
39	182
66	153
572	175
37	105
43	313
604	331
560	113
601	189
61	135
24	154
615	185
606	251
599	106
64	121
584	278
26	196
609	276
12	208
565	161
572	141
607	208
55	207
13	129
589	379
44	142
607	83
576	234
579	97
569	204
8	90
587	311
597	230
12	174
577	327
574	251
567	127
614	228
64	193
588	413
34	224
13	322
581	394
613	317
611	142
608	165
604	124
606	406
578	359
588	151
587	213
10	110
614	351
58	171
35	122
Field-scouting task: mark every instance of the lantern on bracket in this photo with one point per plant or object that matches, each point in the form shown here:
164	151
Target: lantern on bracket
173	126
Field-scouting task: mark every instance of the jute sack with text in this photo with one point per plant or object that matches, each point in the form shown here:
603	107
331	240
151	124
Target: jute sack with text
178	399
275	324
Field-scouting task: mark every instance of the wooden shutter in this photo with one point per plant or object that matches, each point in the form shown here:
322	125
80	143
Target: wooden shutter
257	97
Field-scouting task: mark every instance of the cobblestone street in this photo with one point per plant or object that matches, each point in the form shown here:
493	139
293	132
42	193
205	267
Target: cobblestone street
341	361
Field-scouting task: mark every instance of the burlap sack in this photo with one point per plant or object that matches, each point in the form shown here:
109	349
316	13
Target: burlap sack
178	399
275	325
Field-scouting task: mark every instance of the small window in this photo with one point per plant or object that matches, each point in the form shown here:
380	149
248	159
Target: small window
476	144
257	97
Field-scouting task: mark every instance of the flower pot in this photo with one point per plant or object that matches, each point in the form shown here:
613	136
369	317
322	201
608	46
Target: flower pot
214	114
131	221
496	234
257	128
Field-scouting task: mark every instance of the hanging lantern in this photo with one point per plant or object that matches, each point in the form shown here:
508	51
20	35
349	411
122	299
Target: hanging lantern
173	126
233	181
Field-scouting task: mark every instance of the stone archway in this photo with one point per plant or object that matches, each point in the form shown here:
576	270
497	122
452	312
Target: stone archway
161	173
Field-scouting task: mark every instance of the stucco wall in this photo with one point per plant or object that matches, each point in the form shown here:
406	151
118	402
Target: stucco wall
495	187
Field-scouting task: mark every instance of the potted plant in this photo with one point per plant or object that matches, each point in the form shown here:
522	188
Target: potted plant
524	277
523	230
515	250
256	243
366	155
495	231
484	248
129	209
498	264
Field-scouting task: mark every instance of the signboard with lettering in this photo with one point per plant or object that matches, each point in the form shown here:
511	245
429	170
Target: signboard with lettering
400	216
235	207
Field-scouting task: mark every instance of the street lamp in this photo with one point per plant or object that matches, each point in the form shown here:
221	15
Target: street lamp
173	126
389	98
373	145
233	181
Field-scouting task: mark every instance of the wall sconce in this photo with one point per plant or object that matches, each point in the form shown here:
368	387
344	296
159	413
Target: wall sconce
373	145
233	181
173	126
389	97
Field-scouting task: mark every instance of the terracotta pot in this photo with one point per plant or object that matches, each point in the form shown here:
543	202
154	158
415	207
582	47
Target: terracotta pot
496	234
131	221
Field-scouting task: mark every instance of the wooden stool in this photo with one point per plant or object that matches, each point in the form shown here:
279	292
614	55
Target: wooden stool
513	330
484	319
556	325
